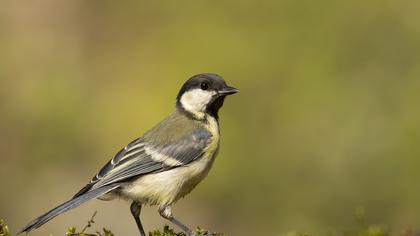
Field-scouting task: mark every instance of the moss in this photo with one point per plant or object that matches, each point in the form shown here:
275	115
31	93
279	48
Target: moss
170	232
4	230
166	232
361	229
72	231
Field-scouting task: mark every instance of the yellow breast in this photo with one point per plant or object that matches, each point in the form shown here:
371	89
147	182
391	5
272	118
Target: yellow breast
213	147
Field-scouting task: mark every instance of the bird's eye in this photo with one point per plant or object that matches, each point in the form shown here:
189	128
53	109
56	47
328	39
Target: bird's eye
204	86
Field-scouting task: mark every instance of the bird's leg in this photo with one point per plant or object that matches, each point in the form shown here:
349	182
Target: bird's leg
135	209
166	212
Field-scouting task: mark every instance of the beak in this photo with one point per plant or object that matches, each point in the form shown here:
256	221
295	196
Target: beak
227	90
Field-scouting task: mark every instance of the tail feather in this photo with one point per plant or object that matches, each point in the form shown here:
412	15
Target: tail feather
72	203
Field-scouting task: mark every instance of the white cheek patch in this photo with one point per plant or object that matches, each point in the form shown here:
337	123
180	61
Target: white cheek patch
196	100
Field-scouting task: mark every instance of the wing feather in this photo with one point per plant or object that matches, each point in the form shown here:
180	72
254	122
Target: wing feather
142	157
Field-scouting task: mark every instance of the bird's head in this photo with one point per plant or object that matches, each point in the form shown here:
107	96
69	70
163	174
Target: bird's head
203	94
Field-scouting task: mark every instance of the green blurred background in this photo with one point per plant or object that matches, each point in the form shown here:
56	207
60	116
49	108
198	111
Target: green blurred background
327	120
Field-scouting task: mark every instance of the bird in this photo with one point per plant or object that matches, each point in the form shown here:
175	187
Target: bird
166	162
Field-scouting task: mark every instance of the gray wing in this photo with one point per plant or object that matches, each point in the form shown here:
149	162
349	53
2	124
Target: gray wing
142	157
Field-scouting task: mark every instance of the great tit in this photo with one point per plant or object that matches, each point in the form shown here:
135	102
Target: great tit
167	162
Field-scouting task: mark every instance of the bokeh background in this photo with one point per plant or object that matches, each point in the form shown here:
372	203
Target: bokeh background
327	121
